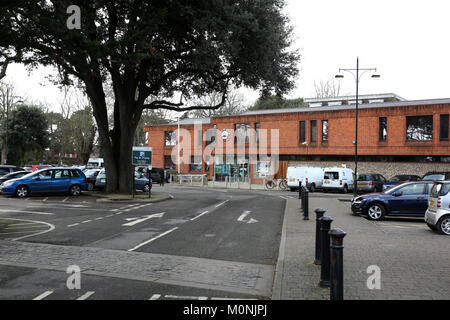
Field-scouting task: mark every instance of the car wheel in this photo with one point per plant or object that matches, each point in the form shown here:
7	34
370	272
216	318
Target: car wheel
146	188
75	190
22	191
376	211
443	225
90	186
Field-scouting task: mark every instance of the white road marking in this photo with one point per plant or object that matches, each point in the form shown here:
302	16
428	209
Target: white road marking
244	215
25	211
137	220
35	225
155	297
283	197
45	199
65	199
72	225
51	227
21	224
109	216
185	297
86	295
222	203
201	214
217	298
100	218
86	221
43	295
152	239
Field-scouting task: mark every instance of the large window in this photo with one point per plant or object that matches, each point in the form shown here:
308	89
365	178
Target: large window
171	138
313	130
443	127
168	163
324	130
382	131
242	133
302	131
196	164
419	128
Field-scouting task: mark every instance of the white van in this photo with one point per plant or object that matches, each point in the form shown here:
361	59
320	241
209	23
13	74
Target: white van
95	162
311	177
340	179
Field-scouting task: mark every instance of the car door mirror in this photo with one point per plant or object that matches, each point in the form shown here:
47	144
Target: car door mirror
397	193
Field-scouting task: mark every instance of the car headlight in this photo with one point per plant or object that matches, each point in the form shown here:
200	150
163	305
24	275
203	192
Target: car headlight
358	200
7	183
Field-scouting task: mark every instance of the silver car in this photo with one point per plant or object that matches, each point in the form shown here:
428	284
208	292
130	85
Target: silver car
437	215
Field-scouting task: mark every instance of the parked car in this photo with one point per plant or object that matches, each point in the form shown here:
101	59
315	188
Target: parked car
400	178
35	167
340	179
140	181
91	176
55	180
370	182
406	199
7	169
311	177
436	176
437	215
14	175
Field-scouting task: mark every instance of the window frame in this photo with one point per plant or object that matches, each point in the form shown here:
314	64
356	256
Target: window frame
325	140
313	137
302	129
441	126
381	136
408	135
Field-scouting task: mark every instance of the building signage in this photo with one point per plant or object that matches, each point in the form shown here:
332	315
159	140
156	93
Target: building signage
142	156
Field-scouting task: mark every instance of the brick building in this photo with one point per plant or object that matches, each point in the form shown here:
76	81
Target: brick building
395	136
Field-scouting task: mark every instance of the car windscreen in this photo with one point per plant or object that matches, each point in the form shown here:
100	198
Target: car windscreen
399	178
332	175
436	176
364	177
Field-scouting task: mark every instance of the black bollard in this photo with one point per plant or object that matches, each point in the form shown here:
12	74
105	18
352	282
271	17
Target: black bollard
319	214
300	190
306	206
337	265
325	258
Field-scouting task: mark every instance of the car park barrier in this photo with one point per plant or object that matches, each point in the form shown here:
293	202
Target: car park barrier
337	265
325	257
319	214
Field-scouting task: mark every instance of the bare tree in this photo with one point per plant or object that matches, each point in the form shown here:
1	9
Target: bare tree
234	104
327	89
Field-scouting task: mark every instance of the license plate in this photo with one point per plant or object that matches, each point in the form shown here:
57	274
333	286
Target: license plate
327	182
432	203
291	180
103	180
361	185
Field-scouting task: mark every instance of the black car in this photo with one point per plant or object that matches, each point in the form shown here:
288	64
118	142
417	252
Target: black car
155	173
436	176
370	182
7	169
14	175
407	199
91	176
400	178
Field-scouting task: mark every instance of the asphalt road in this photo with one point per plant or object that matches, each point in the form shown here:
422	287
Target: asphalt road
207	243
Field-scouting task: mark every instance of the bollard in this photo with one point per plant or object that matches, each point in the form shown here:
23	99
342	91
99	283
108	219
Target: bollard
337	265
300	190
306	206
303	198
325	257
319	214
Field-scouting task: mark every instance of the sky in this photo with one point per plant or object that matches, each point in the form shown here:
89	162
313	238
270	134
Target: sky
406	41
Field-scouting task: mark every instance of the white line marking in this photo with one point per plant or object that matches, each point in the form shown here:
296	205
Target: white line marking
52	227
45	199
65	199
217	298
23	227
98	218
243	215
109	216
137	220
72	225
86	295
185	297
155	297
283	197
86	221
23	211
21	224
43	295
222	203
201	214
152	239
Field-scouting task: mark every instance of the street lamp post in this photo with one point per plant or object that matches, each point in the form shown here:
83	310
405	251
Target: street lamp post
357	79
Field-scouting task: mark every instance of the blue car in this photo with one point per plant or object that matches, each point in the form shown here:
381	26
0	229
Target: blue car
398	179
407	199
54	180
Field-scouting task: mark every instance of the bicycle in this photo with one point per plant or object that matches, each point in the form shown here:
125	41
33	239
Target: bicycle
272	183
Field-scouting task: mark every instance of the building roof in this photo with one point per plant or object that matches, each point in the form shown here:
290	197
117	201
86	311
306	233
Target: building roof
385	97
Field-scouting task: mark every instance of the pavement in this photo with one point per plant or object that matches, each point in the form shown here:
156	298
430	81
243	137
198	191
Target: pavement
413	260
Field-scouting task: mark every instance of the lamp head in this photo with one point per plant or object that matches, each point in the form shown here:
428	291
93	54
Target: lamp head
376	76
339	76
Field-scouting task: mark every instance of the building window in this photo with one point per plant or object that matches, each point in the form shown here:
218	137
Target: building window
324	130
313	130
168	163
382	131
419	128
171	138
302	131
257	127
443	127
196	164
242	133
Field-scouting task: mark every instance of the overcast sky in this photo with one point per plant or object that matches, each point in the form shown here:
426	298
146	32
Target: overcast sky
407	41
